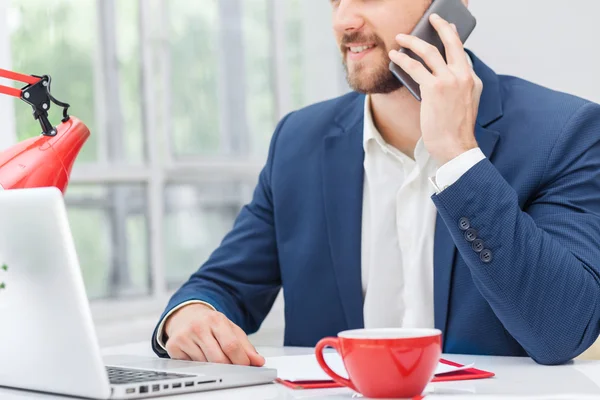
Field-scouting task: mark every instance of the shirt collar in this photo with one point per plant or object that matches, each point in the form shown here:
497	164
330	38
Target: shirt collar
370	132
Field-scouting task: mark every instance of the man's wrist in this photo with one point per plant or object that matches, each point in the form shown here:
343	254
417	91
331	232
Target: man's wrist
454	169
450	152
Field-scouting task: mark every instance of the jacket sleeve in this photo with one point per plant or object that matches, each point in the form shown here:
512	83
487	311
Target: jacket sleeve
538	268
241	278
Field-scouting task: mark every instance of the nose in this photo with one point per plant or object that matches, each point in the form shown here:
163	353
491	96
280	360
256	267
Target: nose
347	16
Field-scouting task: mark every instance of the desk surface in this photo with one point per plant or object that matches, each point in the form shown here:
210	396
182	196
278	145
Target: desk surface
515	378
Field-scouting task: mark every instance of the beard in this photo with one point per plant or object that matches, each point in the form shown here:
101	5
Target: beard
369	79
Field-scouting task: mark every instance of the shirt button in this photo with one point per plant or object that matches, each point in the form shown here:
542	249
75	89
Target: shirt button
486	256
464	223
478	245
470	235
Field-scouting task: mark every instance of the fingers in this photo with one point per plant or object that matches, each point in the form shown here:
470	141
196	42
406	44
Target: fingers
455	53
178	354
428	53
193	351
255	359
412	67
175	350
230	345
452	72
206	335
211	348
183	347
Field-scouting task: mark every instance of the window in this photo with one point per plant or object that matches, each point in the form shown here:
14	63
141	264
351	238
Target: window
181	98
193	77
197	218
110	229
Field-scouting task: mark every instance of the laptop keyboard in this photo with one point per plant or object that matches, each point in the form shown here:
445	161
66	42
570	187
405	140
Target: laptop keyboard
120	376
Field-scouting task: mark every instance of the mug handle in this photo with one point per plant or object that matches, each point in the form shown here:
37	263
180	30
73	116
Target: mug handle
331	342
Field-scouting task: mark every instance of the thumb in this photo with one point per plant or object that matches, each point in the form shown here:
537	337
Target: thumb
255	359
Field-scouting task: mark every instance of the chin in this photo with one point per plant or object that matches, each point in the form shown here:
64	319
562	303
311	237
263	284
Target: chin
381	81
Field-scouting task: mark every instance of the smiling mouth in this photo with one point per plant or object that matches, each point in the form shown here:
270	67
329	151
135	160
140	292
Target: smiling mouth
360	49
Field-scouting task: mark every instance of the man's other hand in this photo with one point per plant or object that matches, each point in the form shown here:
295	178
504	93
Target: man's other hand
198	333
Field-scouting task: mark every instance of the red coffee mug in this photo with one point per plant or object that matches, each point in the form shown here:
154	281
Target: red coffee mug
385	363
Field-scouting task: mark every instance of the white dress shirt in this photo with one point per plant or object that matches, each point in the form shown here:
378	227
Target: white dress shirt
398	229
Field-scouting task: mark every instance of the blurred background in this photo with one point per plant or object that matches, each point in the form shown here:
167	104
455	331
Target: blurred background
182	98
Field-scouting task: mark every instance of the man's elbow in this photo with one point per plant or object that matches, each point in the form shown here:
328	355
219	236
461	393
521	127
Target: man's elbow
552	358
561	351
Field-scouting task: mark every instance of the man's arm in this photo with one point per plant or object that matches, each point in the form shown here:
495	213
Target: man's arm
241	279
540	268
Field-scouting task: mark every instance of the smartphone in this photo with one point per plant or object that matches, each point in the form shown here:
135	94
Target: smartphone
453	11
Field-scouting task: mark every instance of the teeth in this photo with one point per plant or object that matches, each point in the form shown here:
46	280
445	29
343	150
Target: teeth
360	49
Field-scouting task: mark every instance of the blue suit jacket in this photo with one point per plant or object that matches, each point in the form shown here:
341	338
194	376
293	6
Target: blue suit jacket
534	201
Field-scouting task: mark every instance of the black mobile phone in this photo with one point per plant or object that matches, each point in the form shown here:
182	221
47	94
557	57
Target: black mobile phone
453	11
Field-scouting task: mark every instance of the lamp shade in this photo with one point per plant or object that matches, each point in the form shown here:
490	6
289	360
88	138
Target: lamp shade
44	160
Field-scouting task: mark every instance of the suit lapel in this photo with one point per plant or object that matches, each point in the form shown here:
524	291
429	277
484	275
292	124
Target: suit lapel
343	172
445	251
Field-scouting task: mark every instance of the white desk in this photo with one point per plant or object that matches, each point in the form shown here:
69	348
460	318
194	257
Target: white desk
515	377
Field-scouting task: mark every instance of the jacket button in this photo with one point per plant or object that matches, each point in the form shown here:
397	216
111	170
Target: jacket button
478	245
464	223
470	235
486	256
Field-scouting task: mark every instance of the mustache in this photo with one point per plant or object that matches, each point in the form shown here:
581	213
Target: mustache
359	37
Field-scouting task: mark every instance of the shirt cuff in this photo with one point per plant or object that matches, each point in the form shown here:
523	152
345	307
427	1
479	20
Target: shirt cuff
450	172
160	331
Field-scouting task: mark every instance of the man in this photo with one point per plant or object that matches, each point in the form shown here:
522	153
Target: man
475	211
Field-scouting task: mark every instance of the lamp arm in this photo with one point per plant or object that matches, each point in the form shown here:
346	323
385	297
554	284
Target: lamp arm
45	160
37	94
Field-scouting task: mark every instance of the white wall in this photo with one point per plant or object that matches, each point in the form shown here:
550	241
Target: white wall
555	43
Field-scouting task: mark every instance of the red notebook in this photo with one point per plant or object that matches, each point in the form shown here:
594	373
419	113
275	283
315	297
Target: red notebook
466	374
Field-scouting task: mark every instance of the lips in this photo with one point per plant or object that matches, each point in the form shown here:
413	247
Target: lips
356	49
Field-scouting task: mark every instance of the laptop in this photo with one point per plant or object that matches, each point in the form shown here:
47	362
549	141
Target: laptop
47	338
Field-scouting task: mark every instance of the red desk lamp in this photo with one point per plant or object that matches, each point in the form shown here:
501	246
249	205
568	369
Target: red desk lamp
45	160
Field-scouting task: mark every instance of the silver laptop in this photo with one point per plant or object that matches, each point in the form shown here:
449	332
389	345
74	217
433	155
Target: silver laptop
47	338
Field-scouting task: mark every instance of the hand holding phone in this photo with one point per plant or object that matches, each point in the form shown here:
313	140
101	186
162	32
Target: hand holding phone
453	11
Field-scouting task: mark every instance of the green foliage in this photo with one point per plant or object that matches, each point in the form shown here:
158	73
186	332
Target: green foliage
194	76
2	284
52	40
